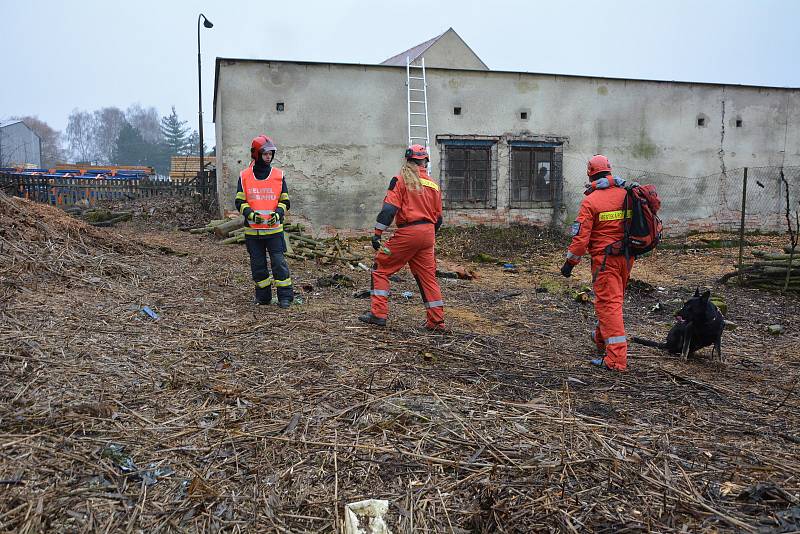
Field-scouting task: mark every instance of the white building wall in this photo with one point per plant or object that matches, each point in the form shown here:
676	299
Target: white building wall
342	133
19	145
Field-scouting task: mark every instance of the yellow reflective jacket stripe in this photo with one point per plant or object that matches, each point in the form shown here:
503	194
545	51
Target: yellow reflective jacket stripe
263	231
614	215
428	183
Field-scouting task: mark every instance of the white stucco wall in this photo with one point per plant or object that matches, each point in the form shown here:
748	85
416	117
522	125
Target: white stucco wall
450	51
343	131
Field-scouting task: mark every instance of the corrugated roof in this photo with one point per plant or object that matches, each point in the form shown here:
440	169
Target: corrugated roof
412	53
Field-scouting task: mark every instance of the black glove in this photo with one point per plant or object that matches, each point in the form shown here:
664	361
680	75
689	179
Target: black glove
376	241
274	219
566	270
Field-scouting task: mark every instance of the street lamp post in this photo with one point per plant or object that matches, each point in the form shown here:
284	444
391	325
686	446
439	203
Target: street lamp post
207	23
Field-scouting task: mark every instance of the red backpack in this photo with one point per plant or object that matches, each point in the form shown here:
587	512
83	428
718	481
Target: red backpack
643	229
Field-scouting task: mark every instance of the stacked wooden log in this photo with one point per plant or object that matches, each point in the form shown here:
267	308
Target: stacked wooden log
769	271
299	246
100	216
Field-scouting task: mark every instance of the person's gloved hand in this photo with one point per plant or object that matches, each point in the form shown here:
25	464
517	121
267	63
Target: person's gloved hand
566	270
274	219
255	218
376	241
630	184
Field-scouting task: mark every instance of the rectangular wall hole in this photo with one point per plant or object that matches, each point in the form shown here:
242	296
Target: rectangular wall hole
279	106
738	123
457	110
701	121
523	115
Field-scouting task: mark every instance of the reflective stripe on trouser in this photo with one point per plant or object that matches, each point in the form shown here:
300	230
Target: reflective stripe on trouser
261	284
273	246
609	290
412	245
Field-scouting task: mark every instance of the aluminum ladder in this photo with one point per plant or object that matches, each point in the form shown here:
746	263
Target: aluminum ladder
417	93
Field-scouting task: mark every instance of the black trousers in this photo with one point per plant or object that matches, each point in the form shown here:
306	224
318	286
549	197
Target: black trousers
259	248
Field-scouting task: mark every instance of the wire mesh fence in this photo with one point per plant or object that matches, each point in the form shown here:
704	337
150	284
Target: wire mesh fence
736	205
717	202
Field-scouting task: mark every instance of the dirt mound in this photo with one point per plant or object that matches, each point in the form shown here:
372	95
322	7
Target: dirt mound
38	241
512	243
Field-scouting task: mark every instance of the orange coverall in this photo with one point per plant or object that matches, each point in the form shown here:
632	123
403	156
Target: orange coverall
418	216
598	225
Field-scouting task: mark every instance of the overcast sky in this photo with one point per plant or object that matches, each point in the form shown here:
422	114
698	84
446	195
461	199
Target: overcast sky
57	55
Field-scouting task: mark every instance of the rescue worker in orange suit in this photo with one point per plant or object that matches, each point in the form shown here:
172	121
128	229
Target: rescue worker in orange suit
599	230
414	201
263	199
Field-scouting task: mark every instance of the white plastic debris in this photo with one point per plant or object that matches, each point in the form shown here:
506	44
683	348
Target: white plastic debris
366	517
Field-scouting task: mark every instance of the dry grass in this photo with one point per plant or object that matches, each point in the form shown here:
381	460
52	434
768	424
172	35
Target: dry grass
224	416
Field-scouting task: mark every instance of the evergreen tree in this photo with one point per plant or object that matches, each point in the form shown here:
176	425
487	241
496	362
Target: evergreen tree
133	149
174	132
193	145
130	148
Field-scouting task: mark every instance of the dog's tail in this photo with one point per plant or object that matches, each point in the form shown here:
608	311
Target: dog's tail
649	343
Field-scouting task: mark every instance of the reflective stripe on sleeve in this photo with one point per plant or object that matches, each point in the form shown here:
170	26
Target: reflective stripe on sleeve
616	339
240	195
380	226
571	256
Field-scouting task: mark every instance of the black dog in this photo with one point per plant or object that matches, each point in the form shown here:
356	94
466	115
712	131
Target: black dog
698	324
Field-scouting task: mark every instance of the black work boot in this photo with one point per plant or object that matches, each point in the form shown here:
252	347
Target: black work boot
264	296
284	303
371	319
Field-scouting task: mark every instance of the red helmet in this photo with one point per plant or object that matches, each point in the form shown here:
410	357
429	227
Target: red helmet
262	144
598	163
417	152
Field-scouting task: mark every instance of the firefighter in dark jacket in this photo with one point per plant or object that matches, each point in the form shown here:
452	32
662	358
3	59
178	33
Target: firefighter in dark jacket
263	199
599	230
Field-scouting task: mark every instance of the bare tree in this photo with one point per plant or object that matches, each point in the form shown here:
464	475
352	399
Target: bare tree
52	151
81	135
147	121
109	122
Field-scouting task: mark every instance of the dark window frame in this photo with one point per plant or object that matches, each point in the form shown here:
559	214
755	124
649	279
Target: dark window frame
525	188
468	170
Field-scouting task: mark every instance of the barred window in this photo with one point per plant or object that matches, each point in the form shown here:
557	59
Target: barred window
535	176
470	174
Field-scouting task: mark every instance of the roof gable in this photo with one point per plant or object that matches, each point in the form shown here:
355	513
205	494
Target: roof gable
447	50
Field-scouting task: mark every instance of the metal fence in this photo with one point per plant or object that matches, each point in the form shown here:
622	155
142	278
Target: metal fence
68	191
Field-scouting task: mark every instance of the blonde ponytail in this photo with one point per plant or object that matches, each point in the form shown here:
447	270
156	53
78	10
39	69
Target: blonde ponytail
410	174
